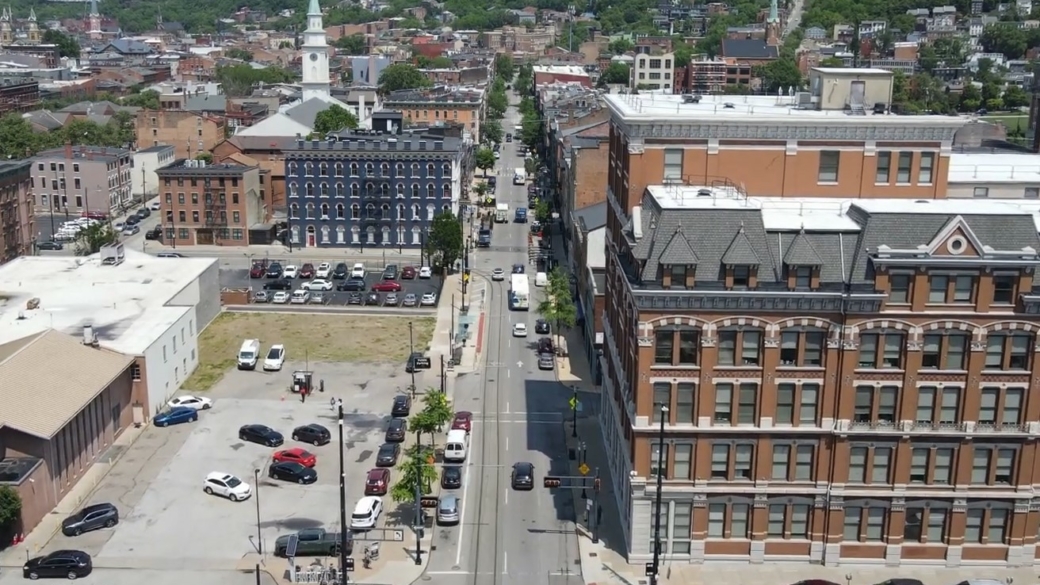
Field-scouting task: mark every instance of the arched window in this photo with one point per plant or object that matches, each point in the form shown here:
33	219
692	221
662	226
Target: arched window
294	210
338	169
341	235
341	212
310	211
386	235
353	169
400	190
431	191
309	189
446	191
415	212
370	189
431	171
446	208
400	234
308	168
400	211
415	190
355	234
430	212
370	170
370	235
324	189
354	190
325	234
415	170
293	168
384	170
400	169
384	212
416	236
292	190
384	190
323	169
340	191
355	211
446	170
324	210
370	211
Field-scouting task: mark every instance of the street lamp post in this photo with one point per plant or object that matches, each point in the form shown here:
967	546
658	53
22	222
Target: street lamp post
420	524
657	502
411	350
256	486
342	503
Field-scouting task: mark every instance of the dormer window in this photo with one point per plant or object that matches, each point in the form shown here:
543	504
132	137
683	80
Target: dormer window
741	276
802	276
678	274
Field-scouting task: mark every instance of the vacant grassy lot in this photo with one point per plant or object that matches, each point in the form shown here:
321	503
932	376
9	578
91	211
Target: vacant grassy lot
1013	122
316	338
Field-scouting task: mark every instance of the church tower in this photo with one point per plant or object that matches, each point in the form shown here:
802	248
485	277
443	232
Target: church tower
34	35
6	28
773	31
314	55
95	21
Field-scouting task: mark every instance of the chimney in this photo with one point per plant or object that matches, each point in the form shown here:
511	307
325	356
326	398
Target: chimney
88	335
68	149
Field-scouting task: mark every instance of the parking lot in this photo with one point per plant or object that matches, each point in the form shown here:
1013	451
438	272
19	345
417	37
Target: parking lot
167	521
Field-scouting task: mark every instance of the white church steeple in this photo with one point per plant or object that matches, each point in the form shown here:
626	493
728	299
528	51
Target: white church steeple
314	54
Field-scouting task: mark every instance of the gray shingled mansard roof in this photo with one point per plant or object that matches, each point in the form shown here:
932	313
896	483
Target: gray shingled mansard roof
741	252
678	251
801	252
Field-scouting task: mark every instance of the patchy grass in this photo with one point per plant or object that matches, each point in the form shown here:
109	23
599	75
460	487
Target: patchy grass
316	338
1013	122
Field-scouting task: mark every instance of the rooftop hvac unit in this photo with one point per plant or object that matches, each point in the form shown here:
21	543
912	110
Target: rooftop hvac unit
704	193
803	99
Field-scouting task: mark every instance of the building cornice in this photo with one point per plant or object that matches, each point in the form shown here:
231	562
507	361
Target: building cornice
795	129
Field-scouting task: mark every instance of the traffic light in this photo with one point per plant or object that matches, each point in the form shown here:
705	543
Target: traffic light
428	502
349	566
551	482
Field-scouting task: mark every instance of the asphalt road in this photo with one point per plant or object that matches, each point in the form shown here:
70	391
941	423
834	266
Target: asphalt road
48	224
508	536
238	278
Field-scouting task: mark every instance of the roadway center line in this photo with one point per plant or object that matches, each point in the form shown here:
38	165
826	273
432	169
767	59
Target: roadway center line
505	563
462	514
507	497
507	443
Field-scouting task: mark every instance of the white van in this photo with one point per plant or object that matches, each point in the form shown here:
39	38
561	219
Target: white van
249	354
456	446
541	279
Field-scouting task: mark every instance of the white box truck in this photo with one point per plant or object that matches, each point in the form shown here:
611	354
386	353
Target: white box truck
502	213
519	293
519	176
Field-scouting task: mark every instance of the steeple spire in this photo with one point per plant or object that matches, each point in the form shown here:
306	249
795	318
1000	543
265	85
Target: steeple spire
774	12
94	8
32	15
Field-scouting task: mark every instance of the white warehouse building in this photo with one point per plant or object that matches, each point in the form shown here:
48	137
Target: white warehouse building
147	308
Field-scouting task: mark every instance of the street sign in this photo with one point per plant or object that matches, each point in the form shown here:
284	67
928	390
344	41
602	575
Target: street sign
649	570
290	547
583	469
574	402
380	535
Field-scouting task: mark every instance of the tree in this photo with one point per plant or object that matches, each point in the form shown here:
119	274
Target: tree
67	46
205	156
10	508
1002	38
438	408
683	55
148	99
492	130
481	189
504	69
238	53
531	130
621	46
355	44
424	423
616	72
542	212
238	80
497	103
779	75
832	62
334	119
93	237
1015	97
558	306
524	83
445	238
401	76
417	471
485	159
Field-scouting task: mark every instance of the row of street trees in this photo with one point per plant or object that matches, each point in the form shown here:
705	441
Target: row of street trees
419	469
558	305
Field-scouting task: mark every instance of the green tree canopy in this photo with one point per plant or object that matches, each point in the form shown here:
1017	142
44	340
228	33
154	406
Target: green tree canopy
10	507
425	62
19	140
416	474
239	80
779	75
445	238
616	72
93	237
148	99
492	131
1005	39
485	159
401	76
67	46
621	46
334	119
558	306
504	69
355	44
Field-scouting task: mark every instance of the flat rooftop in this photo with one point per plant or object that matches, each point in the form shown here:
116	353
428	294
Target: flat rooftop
560	69
125	304
984	167
733	108
825	214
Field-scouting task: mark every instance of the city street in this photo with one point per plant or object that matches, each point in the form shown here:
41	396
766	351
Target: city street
509	536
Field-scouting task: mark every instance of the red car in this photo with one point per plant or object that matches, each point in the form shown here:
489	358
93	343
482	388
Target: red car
307	271
296	455
463	421
378	482
258	270
408	272
387	286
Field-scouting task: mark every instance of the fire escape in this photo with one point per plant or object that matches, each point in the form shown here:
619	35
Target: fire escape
215	200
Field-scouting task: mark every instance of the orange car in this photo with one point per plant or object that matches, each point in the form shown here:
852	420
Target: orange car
296	455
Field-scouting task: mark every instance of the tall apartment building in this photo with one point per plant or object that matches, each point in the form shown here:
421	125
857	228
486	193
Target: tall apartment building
189	132
210	204
653	73
438	105
82	179
17	222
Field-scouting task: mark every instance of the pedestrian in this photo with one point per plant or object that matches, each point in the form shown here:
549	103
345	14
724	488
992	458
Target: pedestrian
339	402
303	395
332	404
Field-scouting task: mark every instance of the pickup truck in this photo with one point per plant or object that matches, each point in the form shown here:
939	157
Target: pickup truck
313	542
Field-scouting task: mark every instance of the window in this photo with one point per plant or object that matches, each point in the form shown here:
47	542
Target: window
732	462
925	523
949	289
1001	407
740	347
800	468
788	521
135	372
945	352
683	465
802	276
662	397
685	405
890	355
673	159
1008	351
1004	286
947	401
716	520
682	525
741	276
870	464
828	172
677	275
801	348
1031	193
875	406
884	167
906	161
980	192
796	404
738	516
689	345
658	460
664	346
899	288
992	465
864	524
927	168
931	465
986	525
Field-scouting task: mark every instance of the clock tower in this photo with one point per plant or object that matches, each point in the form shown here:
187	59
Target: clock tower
314	55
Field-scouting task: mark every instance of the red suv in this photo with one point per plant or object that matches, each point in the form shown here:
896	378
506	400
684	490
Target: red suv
463	421
387	286
408	273
307	271
258	270
378	482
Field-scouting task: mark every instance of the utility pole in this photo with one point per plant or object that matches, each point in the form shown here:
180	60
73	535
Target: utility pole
411	351
342	504
419	523
657	522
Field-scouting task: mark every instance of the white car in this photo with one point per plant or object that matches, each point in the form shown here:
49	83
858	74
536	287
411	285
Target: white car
520	330
291	271
196	402
318	284
275	358
428	300
425	272
155	206
357	271
227	485
498	274
300	297
366	513
280	298
324	270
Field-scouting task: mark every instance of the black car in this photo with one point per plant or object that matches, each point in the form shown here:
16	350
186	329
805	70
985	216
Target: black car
261	435
60	564
90	518
388	454
518	268
523	476
49	246
340	271
154	234
545	345
402	406
292	471
355	298
373	299
417	361
279	284
901	581
313	434
132	220
274	270
352	284
542	327
397	430
144	212
451	477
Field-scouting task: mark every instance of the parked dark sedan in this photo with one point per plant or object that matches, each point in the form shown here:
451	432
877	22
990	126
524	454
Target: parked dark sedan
49	246
397	430
451	477
340	271
355	299
279	284
523	476
261	435
60	564
373	299
541	327
292	471
402	406
313	433
388	454
274	270
90	518
352	284
176	416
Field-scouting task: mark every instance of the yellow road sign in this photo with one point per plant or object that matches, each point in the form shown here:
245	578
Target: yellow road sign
583	469
573	402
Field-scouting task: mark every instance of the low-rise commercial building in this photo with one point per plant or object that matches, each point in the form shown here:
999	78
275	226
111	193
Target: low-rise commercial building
82	179
441	105
211	204
188	132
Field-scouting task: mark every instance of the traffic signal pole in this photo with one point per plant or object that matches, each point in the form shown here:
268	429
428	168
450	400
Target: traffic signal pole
577	482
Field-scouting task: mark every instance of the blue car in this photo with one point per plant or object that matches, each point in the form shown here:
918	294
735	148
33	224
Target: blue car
176	416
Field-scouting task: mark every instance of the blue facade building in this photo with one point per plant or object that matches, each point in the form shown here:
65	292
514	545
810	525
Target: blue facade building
371	188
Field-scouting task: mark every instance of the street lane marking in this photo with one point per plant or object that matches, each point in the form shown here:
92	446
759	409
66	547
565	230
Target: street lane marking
505	563
507	497
449	573
462	516
507	443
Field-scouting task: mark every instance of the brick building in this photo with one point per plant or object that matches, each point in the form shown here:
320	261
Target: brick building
210	204
82	179
189	132
17	227
267	152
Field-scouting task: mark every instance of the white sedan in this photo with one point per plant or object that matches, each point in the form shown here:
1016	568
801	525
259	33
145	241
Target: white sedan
275	358
280	298
520	330
228	486
498	274
324	270
428	300
196	402
291	271
318	284
425	272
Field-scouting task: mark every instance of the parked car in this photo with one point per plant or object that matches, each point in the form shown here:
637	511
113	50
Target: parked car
144	212
318	284
307	270
357	271
388	454
451	477
402	406
60	564
387	286
291	271
228	486
425	272
448	510
428	299
355	299
353	284
280	298
463	420
50	246
377	482
275	358
390	272
373	299
324	270
300	297
274	270
258	269
410	300
94	517
292	471
131	230
261	435
408	273
397	430
176	416
278	284
314	434
340	272
541	327
391	300
545	345
193	402
546	361
366	513
297	455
